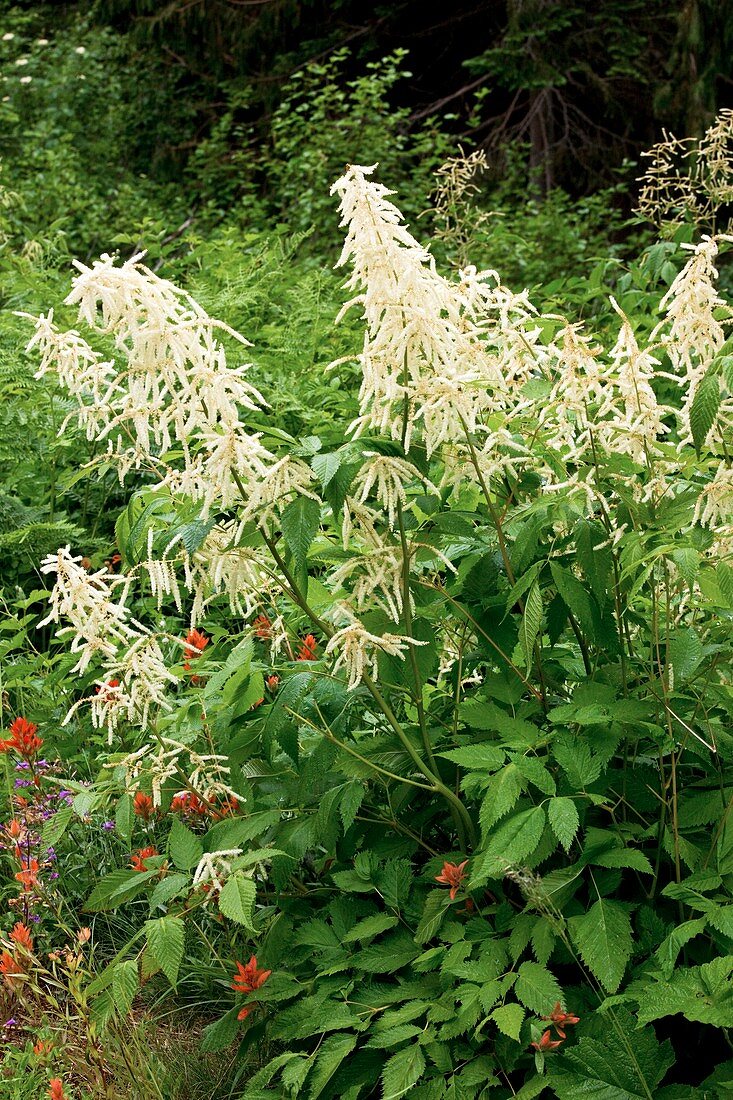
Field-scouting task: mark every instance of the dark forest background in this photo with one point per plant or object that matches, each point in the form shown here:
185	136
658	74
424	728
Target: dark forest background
579	87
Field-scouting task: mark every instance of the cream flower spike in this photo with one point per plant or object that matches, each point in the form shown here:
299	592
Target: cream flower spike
357	649
714	506
388	476
94	604
691	333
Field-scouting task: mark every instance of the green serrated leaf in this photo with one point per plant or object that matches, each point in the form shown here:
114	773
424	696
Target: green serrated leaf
537	988
370	927
221	1033
704	409
330	1056
124	817
509	1020
326	466
668	951
512	842
623	857
484	757
402	1071
124	985
184	846
564	820
167	889
685	654
300	522
117	887
437	905
603	938
56	826
614	1067
237	899
165	938
575	597
531	622
501	796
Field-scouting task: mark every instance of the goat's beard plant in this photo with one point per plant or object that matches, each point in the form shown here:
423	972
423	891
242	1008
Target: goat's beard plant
518	509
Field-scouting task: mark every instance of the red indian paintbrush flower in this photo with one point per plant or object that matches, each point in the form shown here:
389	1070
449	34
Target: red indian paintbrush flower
186	802
195	642
246	980
22	936
142	805
308	649
249	977
22	740
28	873
547	1043
56	1089
228	807
262	628
11	969
452	875
137	860
561	1019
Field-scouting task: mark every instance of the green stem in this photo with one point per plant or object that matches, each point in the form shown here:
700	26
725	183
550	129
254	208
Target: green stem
330	736
407	615
467	829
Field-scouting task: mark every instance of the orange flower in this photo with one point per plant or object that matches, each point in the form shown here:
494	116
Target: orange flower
137	861
56	1089
22	739
272	682
249	977
561	1019
227	808
41	1048
28	874
11	969
547	1043
186	802
308	649
104	689
244	1012
452	875
262	628
195	642
84	935
14	828
142	804
22	936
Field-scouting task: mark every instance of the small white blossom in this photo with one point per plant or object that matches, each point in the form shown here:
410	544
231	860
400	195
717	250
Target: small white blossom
357	650
714	506
214	868
388	476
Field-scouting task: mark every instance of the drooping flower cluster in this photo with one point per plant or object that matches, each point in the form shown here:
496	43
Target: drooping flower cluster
463	366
